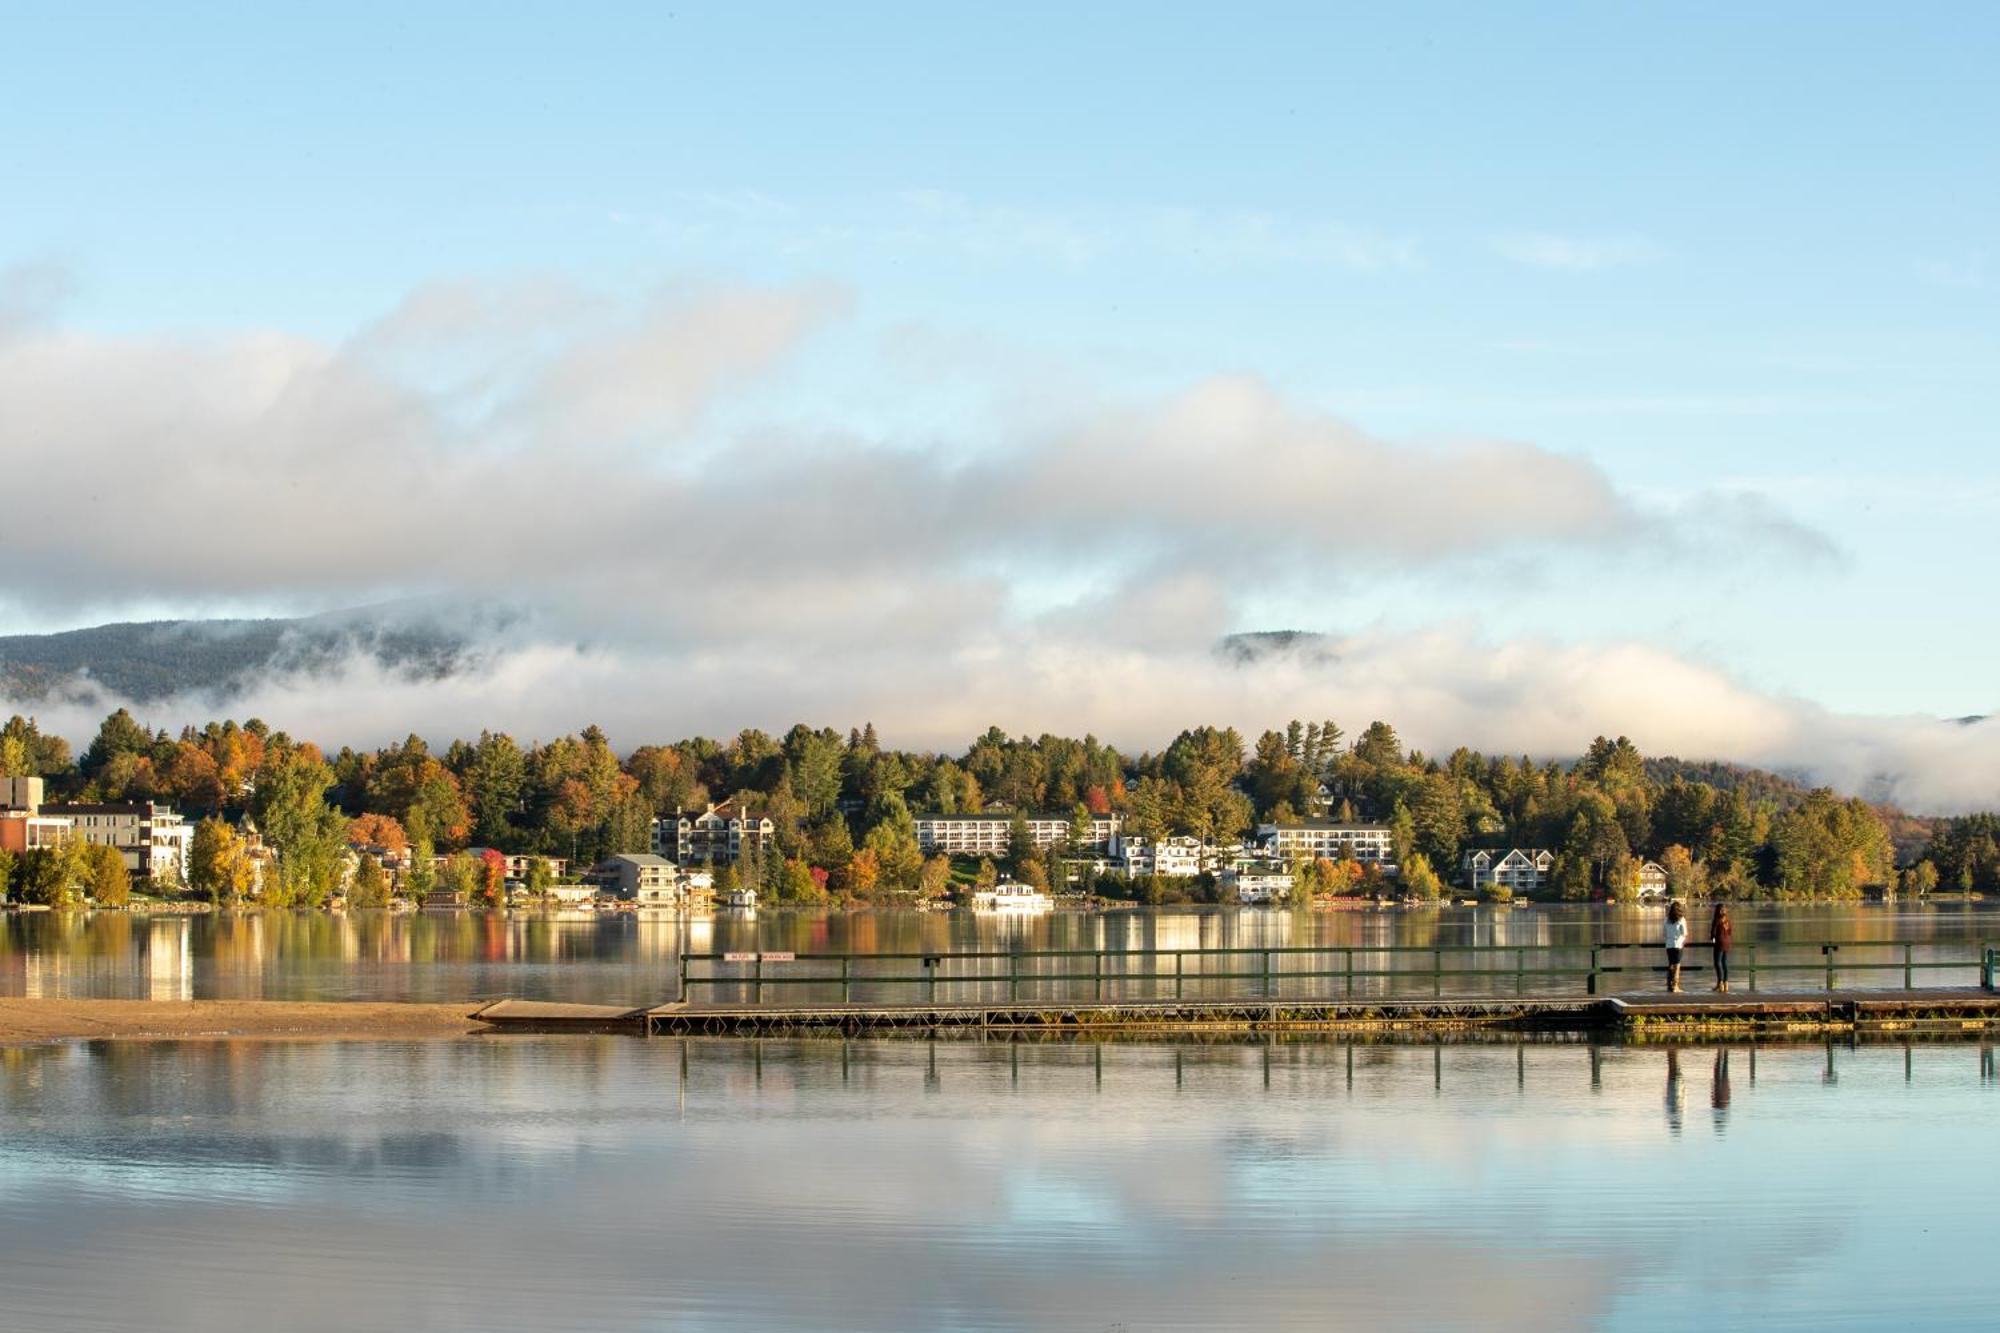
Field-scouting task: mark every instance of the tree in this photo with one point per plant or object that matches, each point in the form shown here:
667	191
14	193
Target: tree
120	734
538	878
1919	880
423	857
935	879
109	884
1687	878
987	875
370	886
490	881
1419	880
460	877
53	876
219	864
378	831
307	834
8	862
1020	842
863	872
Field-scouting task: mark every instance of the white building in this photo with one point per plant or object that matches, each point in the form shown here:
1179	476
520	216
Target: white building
639	877
719	835
153	839
1260	886
1170	858
1315	838
986	835
1521	869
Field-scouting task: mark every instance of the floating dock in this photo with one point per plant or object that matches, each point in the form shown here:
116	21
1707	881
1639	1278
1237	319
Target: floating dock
1655	1013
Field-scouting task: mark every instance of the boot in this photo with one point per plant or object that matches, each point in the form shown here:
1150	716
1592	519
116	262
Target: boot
1674	978
1723	987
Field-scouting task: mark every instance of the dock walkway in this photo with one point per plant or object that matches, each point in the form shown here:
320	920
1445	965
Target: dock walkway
1650	1012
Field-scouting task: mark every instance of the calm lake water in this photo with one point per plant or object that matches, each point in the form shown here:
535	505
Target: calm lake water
526	1183
631	959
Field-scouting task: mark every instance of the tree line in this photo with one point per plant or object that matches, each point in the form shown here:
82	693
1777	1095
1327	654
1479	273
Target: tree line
844	806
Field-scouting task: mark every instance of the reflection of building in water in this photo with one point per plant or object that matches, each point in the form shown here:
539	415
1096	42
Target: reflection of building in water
169	962
656	937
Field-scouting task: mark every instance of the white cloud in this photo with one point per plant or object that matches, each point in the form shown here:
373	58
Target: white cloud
1575	254
554	449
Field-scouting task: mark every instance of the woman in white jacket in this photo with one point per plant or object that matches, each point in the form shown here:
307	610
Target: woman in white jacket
1677	938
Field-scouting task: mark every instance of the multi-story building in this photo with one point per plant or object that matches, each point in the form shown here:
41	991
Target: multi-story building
153	839
719	835
1171	858
1521	869
986	835
24	825
1312	838
1650	877
1261	885
639	877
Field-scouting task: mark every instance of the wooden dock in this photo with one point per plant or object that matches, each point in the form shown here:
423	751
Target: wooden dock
1652	1013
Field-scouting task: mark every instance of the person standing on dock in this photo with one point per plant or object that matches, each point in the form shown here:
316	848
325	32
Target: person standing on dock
1677	938
1721	934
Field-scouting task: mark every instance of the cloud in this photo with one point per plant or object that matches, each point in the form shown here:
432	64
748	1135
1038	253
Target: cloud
560	451
1575	254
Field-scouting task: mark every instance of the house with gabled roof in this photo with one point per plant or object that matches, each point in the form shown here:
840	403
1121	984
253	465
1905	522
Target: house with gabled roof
1519	869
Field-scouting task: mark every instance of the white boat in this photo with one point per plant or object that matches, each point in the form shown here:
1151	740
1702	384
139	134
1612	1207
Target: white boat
1015	898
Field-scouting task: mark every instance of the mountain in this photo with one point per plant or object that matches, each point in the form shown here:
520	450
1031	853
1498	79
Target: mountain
152	660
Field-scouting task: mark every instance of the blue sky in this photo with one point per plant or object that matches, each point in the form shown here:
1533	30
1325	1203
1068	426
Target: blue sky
1709	251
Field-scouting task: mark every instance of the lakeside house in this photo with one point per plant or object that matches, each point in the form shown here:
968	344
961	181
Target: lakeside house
1180	857
986	834
1521	870
1651	880
1310	839
153	839
718	835
639	877
1257	885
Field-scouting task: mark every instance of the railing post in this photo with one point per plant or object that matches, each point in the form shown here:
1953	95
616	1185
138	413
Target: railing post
1986	967
757	980
1519	964
1753	967
1013	975
1437	971
1180	970
1349	963
1267	974
1097	973
846	986
1590	982
683	964
1906	967
1827	950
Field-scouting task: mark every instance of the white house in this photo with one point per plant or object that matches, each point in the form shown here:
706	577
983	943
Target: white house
1256	886
986	835
1170	858
1521	869
1329	838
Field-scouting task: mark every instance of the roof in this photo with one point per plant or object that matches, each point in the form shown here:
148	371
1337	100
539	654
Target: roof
1028	815
1348	826
645	859
142	809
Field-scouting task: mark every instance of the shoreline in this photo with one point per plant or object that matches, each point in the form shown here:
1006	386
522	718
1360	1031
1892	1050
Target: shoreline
29	1021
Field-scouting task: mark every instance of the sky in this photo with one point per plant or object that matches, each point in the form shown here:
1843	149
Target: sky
1574	368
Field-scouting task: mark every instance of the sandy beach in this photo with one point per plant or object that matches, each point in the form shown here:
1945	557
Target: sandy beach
24	1020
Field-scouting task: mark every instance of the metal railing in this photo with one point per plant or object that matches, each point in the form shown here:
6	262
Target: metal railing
1332	970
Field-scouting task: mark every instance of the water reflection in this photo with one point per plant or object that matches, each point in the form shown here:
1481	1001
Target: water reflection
627	958
529	1183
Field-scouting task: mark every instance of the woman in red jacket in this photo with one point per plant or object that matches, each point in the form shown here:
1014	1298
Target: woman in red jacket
1721	934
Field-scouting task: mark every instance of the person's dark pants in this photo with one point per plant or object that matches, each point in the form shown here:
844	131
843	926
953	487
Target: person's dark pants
1722	967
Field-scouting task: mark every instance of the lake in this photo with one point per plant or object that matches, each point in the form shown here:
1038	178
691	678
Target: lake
631	959
535	1183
